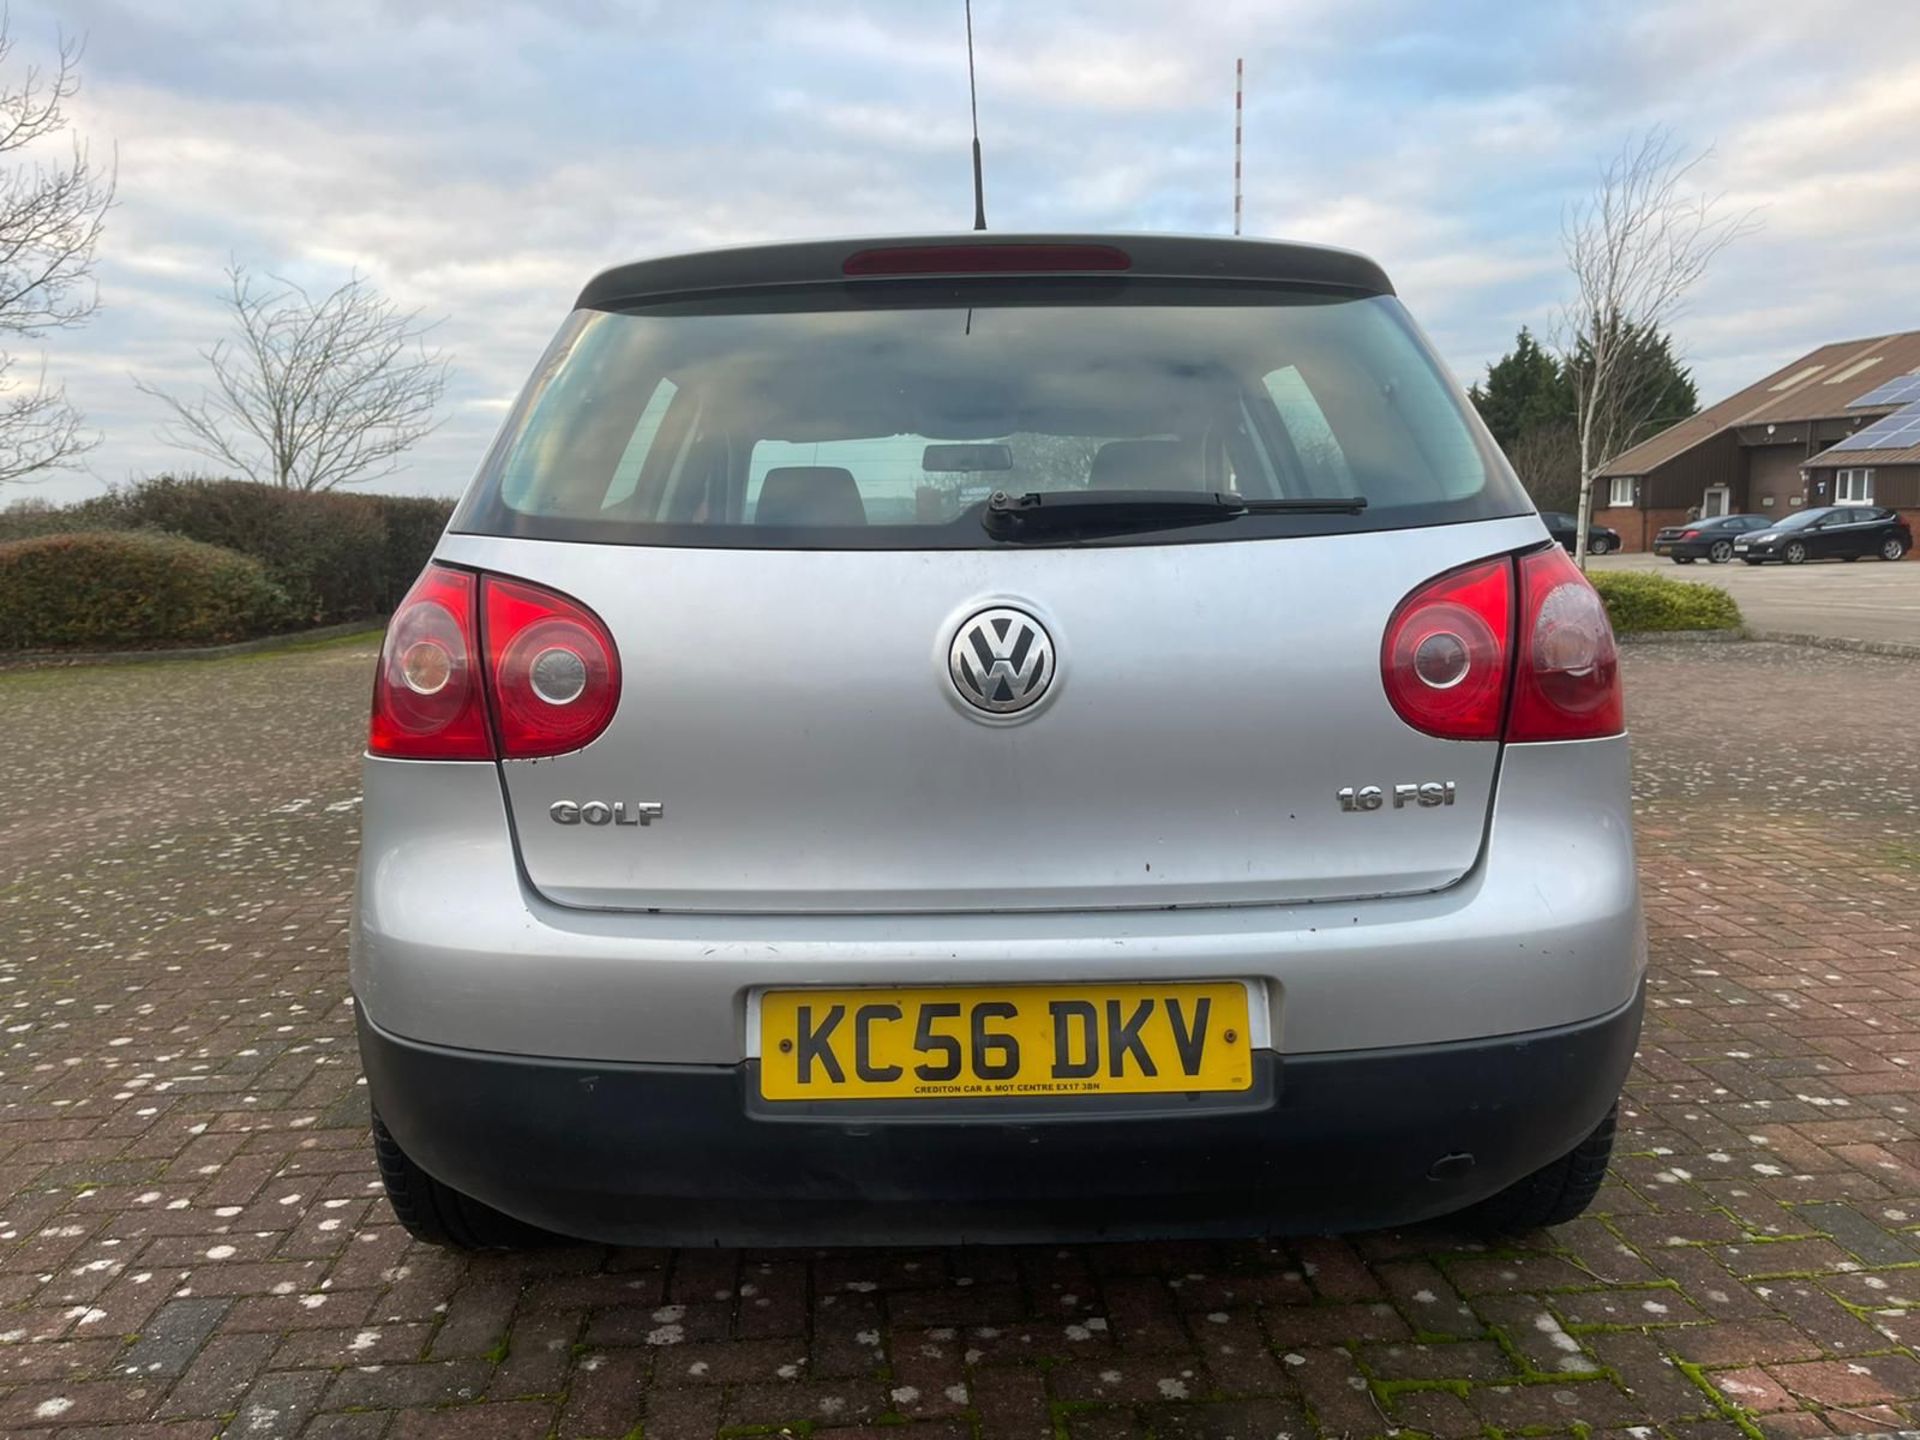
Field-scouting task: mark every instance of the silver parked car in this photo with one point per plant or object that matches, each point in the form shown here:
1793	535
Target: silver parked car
996	738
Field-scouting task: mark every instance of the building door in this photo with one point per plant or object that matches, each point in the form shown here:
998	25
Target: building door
1774	486
1715	502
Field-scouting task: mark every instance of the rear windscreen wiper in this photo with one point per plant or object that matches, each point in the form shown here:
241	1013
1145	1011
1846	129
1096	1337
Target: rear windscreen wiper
1052	512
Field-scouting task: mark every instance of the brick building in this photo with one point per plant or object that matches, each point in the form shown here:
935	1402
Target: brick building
1785	442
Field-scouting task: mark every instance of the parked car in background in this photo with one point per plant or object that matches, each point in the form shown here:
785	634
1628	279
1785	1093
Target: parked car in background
771	838
1710	539
1828	532
1601	539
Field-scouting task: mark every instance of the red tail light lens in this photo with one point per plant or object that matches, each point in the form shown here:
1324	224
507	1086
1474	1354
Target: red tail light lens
1689	534
427	703
1444	659
1567	677
552	668
1451	643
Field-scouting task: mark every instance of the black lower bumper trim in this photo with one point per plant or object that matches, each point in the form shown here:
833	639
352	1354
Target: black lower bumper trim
647	1154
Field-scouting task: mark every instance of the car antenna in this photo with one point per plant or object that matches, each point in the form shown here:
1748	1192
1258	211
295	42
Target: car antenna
1239	84
973	104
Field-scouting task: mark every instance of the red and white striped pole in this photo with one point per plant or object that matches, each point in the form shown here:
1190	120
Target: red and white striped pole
1239	77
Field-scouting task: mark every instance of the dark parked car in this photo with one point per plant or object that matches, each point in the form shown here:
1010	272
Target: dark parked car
1828	532
1710	539
1601	540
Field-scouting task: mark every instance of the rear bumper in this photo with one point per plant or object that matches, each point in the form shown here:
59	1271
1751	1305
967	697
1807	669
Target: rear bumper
662	1154
452	948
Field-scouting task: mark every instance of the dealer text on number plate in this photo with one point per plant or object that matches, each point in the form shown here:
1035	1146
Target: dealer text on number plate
1032	1040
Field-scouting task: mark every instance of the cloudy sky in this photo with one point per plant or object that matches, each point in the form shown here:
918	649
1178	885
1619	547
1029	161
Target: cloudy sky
479	158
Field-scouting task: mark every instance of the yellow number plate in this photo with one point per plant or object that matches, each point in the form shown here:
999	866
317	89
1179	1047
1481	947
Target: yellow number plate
1034	1040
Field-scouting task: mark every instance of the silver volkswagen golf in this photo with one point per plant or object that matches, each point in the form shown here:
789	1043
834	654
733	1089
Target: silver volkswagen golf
994	738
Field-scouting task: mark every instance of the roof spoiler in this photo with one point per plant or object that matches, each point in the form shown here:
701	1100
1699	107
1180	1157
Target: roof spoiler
839	262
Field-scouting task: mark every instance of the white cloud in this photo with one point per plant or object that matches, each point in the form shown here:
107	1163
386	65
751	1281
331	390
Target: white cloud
479	159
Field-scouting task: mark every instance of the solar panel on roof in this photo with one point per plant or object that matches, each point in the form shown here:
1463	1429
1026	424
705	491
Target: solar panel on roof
1897	391
1890	432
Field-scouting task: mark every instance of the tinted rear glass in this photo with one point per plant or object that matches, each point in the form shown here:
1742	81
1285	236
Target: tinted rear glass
1803	518
884	416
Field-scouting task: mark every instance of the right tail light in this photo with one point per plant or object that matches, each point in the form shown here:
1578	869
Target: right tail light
1566	678
1516	649
1448	652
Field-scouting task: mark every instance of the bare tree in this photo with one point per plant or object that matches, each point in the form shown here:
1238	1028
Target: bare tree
311	393
1635	247
51	216
1547	460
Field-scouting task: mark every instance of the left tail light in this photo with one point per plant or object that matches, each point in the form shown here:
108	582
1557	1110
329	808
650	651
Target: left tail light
476	667
427	701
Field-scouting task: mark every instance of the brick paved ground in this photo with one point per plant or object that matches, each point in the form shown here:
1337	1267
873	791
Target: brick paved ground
192	1243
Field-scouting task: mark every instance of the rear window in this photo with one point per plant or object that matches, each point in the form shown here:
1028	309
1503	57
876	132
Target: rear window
1801	519
884	416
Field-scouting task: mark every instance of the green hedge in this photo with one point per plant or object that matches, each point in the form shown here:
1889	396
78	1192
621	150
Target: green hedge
1652	602
337	556
108	590
26	519
328	552
413	525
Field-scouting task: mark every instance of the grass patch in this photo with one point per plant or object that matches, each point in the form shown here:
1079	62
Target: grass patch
53	672
1392	1389
364	639
1638	603
1728	1411
1903	856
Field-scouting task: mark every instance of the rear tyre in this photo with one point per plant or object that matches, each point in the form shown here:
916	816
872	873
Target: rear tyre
1795	554
437	1214
1599	545
1894	549
1720	552
1553	1194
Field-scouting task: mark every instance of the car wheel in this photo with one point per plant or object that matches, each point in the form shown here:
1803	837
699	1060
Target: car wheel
1894	549
1795	553
437	1214
1599	545
1553	1194
1720	552
1683	559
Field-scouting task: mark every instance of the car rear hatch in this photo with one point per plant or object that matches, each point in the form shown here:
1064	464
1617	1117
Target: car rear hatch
845	687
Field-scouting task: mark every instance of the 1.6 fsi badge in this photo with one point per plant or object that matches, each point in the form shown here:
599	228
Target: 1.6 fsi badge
1427	795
